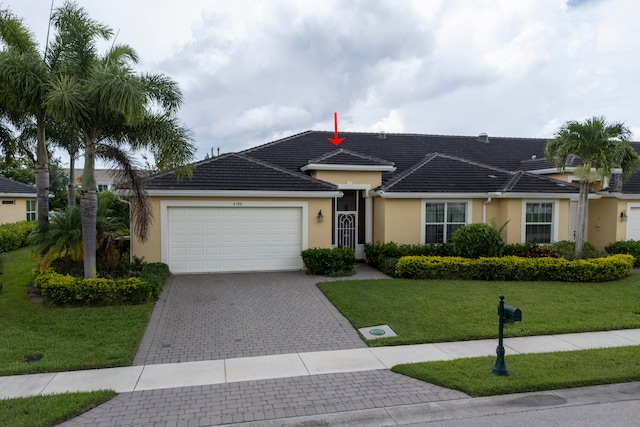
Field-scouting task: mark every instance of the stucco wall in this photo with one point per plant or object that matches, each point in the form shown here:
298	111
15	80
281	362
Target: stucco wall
372	178
15	212
604	225
402	221
319	234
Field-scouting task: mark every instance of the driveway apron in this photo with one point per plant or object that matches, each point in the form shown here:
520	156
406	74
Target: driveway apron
221	316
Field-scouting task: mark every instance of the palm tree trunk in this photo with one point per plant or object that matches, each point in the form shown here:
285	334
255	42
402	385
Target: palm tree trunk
71	188
89	210
581	225
42	177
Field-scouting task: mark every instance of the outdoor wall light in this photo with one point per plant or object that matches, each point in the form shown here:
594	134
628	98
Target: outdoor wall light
320	216
623	216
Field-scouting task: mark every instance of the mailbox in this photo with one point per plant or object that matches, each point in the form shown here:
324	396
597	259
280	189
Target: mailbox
510	314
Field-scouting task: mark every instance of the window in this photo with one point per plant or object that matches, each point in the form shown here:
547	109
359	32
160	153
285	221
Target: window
31	210
442	219
103	187
539	222
7	202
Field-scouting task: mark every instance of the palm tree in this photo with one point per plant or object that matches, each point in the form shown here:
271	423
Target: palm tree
602	147
116	111
24	80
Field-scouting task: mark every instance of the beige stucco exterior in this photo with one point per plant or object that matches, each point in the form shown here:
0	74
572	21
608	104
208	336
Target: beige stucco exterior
371	178
604	224
15	212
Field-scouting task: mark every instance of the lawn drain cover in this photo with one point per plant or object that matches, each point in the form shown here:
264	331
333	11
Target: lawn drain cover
375	332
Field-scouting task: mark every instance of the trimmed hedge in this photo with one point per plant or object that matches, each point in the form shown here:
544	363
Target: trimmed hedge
384	256
334	262
477	240
515	268
156	275
15	236
68	290
630	247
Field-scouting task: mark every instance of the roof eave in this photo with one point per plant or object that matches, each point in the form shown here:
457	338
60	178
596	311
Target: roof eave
234	193
501	195
354	168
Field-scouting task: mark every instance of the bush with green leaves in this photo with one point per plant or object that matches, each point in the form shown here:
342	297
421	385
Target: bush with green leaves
333	262
631	247
156	275
527	250
383	255
65	290
514	268
477	240
16	235
567	249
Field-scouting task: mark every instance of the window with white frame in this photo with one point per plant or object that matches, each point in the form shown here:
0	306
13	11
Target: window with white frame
442	219
538	222
31	210
103	187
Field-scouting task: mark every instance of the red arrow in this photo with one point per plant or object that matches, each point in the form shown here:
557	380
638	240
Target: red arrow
335	140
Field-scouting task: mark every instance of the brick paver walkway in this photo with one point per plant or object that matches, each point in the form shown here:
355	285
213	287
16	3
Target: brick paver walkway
220	316
263	400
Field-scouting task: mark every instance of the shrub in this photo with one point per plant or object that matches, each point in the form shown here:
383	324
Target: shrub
477	240
16	235
329	262
377	253
516	268
567	249
156	275
630	247
62	289
527	250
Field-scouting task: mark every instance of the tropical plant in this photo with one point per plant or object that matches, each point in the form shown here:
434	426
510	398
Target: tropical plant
117	111
24	81
63	237
602	147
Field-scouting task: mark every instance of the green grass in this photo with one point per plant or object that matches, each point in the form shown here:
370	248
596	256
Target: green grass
531	372
61	339
45	411
424	311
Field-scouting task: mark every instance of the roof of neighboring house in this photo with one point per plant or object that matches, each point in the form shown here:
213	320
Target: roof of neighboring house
9	186
457	164
101	175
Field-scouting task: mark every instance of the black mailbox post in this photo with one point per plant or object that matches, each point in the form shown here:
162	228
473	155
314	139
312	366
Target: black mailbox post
506	314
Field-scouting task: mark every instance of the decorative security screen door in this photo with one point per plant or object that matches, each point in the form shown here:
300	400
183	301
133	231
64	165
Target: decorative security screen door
346	220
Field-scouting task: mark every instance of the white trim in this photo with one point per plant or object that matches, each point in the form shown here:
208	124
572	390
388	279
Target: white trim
355	168
19	195
166	204
554	220
500	195
352	186
236	193
423	213
548	171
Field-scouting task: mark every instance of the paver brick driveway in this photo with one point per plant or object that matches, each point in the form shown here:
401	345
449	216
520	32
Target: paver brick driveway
220	316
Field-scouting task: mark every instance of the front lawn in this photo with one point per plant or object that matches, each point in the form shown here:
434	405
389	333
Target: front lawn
426	311
531	372
35	338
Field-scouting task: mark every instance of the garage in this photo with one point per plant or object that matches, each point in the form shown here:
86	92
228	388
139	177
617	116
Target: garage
204	239
633	222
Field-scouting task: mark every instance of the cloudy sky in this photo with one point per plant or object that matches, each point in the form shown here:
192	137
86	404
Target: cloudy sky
254	71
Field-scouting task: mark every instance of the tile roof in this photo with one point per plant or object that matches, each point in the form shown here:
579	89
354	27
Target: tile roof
239	172
464	163
347	157
442	173
9	186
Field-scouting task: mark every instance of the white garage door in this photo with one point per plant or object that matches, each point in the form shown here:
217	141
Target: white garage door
212	239
633	223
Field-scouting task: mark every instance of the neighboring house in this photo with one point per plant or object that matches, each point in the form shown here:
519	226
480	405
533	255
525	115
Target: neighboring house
257	209
105	178
17	201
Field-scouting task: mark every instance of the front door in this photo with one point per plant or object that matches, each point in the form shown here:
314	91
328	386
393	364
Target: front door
348	220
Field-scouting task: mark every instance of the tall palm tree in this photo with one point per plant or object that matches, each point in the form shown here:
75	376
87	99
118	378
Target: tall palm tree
602	147
116	111
24	80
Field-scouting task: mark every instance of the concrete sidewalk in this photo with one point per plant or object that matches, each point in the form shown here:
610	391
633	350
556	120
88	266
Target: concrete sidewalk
234	370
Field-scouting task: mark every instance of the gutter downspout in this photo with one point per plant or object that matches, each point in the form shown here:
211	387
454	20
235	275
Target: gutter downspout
484	210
